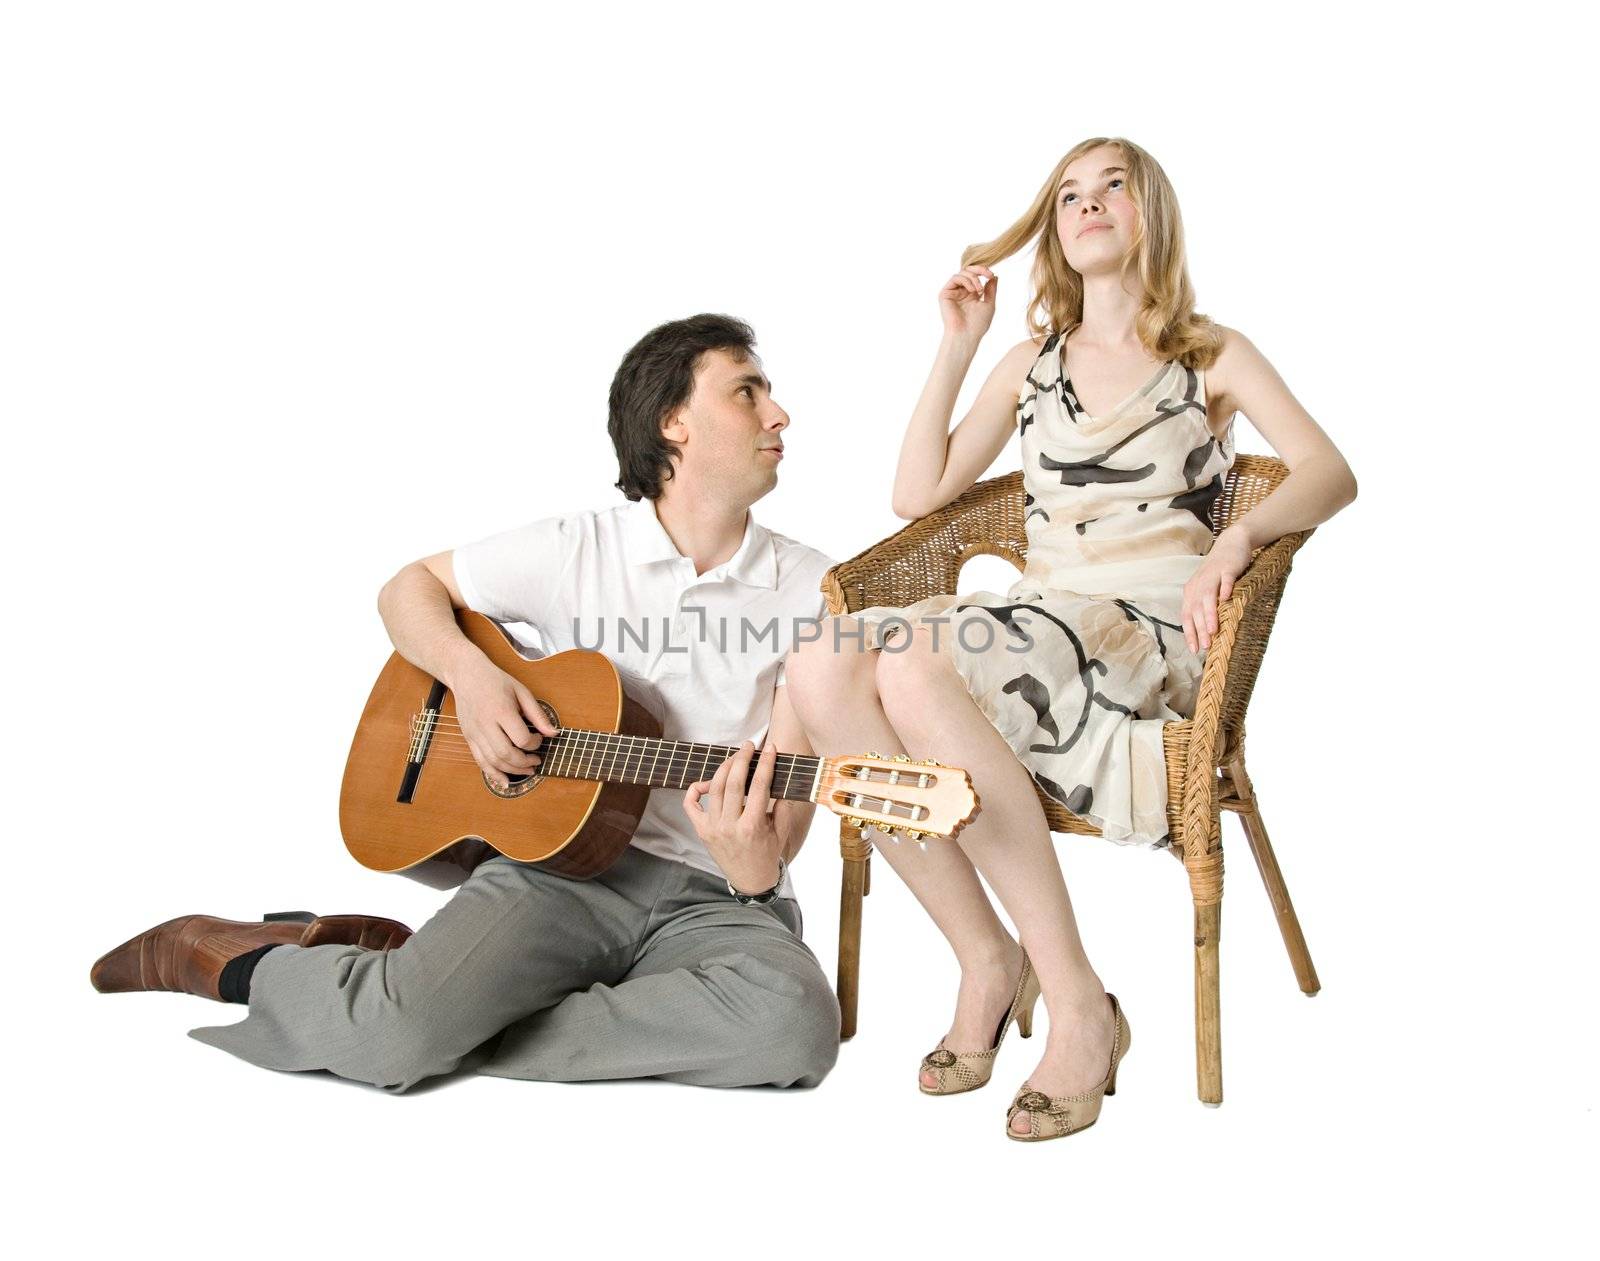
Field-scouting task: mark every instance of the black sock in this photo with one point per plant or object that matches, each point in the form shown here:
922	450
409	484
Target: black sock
234	982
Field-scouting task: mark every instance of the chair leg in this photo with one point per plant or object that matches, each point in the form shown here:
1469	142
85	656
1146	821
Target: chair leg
857	854
1207	1005
1267	862
1205	883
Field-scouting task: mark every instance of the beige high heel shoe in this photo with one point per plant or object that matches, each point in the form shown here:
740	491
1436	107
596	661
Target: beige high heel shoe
964	1071
1058	1116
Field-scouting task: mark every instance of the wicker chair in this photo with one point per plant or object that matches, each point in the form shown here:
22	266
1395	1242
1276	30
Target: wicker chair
1204	755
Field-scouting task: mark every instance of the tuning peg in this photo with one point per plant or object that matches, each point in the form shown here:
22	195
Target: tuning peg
928	761
901	757
874	754
922	844
854	822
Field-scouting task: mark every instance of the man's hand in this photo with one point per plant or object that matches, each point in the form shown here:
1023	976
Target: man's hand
496	714
736	826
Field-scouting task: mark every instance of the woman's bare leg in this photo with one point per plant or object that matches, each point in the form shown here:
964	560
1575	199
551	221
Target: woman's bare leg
835	696
930	710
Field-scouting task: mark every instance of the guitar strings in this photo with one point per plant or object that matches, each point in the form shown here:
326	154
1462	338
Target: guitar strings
620	749
586	743
871	802
448	727
611	744
568	760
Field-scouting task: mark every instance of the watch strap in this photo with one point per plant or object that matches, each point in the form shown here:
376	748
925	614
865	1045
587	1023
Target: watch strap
761	899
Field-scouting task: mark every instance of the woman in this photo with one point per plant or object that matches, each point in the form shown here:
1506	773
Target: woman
1066	680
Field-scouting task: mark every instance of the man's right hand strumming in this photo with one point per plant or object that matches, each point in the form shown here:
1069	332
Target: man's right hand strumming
500	718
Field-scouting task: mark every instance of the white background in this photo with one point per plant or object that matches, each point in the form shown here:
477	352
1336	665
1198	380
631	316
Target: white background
296	293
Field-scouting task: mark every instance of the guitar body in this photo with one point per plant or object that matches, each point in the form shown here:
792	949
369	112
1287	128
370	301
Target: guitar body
448	819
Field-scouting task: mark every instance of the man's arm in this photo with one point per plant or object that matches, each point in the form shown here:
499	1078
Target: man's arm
418	609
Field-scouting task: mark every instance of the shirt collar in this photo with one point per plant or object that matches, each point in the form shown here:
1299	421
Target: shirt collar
755	563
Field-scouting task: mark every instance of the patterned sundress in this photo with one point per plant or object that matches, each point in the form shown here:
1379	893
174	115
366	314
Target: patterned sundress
1083	660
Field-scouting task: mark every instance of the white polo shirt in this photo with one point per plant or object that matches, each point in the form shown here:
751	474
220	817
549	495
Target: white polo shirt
707	648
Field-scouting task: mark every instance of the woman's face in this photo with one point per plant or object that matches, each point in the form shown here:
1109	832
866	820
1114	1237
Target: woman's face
1095	216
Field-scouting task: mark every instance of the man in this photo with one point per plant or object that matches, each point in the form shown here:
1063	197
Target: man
684	960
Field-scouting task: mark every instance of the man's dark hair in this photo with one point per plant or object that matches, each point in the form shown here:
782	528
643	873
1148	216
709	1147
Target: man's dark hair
655	377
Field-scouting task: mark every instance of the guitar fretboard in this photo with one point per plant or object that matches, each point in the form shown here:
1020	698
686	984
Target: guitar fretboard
613	758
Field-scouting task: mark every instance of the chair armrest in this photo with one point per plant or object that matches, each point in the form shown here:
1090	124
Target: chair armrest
1244	621
925	558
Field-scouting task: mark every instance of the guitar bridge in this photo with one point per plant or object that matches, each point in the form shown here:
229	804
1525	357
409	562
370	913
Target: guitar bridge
422	728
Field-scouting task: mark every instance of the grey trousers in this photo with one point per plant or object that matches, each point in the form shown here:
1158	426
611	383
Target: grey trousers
648	970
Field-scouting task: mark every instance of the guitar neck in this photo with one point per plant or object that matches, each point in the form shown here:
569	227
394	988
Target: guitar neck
620	759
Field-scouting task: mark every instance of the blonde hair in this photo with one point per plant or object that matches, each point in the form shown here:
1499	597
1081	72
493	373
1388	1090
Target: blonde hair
1167	323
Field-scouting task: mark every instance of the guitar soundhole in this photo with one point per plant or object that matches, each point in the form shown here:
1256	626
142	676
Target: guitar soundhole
521	785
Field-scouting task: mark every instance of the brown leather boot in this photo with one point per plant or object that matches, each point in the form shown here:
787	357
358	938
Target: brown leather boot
188	954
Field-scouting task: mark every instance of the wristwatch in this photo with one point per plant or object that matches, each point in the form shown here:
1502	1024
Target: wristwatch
760	899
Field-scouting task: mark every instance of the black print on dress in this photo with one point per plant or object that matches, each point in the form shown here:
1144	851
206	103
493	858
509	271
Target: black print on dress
1029	512
1078	800
1105	702
1025	409
1195	462
1088	668
1084	472
1093	470
1135	614
1200	502
1036	696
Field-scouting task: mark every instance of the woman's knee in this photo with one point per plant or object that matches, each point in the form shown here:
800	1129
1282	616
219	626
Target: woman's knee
827	670
909	668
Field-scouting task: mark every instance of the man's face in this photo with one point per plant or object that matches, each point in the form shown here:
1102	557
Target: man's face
730	432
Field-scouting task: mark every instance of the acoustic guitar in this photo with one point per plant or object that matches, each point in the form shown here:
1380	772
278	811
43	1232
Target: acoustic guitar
415	801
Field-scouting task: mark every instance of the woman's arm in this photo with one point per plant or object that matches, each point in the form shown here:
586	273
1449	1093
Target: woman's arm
936	465
1319	483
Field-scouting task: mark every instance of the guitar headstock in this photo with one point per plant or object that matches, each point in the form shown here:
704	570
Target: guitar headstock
916	799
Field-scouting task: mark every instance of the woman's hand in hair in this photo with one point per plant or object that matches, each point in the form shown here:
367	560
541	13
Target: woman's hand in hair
1211	585
966	303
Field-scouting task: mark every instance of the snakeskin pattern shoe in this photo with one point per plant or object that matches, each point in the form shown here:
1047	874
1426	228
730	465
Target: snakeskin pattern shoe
959	1073
1058	1116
